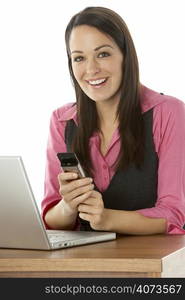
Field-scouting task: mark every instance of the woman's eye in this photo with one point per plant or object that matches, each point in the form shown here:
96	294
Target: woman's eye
103	54
78	58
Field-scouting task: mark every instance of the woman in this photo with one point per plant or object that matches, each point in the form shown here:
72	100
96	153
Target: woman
130	139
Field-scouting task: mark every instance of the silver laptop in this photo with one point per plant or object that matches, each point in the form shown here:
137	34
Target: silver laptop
21	225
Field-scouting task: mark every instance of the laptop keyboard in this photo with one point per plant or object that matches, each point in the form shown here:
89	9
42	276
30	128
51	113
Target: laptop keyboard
55	238
55	235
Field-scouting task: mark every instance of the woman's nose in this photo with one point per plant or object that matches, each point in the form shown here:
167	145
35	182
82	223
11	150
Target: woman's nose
92	67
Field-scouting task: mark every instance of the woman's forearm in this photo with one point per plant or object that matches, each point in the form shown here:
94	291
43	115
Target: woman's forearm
132	222
58	217
120	221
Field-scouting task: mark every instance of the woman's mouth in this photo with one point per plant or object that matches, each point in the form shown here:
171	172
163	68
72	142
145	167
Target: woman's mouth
97	83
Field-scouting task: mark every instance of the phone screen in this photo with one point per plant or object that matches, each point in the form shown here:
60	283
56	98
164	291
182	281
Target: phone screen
70	163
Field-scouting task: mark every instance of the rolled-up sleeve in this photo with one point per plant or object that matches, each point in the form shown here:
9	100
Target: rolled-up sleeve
169	138
55	144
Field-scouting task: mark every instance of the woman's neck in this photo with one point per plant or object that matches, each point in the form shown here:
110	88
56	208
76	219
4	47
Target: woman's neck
107	114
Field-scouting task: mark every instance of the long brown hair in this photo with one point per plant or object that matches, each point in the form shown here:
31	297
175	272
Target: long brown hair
131	127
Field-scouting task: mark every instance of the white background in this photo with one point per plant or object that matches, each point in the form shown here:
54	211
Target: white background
34	78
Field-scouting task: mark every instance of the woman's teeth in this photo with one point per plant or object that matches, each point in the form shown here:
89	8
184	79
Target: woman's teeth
96	82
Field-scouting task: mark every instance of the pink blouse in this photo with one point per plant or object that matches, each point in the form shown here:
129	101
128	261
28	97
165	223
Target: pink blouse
169	140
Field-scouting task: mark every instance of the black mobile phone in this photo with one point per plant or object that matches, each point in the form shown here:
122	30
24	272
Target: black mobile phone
70	163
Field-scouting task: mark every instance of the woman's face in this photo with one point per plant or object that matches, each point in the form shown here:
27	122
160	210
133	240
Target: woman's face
96	63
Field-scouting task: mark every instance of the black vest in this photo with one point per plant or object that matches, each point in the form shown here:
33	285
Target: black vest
132	188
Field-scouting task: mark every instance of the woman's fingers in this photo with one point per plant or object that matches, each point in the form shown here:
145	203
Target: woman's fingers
67	185
66	176
80	199
83	208
73	190
93	204
78	192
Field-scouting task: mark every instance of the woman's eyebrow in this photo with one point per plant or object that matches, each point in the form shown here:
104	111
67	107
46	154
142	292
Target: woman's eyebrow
106	45
96	49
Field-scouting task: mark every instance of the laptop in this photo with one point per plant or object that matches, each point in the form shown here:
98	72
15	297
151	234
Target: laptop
21	224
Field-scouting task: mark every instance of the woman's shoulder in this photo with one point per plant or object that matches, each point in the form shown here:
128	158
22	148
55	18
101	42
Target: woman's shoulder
160	101
65	112
171	106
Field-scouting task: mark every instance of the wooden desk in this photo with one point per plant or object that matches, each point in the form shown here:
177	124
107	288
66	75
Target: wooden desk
127	256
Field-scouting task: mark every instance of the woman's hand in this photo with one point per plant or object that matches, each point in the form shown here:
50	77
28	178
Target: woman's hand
73	190
92	210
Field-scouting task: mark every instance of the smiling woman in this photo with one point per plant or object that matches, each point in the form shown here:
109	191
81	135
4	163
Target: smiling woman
128	138
98	69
